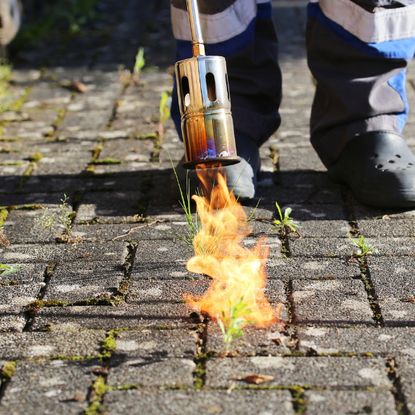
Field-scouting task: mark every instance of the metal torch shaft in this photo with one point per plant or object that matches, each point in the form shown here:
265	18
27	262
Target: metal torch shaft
195	27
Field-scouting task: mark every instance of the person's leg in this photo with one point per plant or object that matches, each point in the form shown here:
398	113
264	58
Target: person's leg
358	52
242	32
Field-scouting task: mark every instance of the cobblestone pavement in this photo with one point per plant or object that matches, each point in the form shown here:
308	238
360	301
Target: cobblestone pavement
100	326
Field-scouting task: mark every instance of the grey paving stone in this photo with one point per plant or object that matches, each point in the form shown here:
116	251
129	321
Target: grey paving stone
12	319
405	371
76	282
161	252
301	371
50	345
394	283
302	158
156	343
305	187
163	315
30	226
271	341
392	246
118	206
318	268
47	388
355	339
131	231
387	227
162	271
22	274
331	302
19	295
153	372
323	228
111	251
349	402
153	292
321	247
202	402
128	150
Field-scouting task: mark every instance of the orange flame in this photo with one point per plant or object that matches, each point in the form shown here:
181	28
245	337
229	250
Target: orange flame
238	273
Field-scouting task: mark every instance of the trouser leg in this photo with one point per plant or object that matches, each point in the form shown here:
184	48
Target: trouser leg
242	31
358	52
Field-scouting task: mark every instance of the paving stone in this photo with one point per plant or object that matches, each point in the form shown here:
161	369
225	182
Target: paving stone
78	282
323	228
321	247
394	284
153	371
313	268
301	371
50	345
300	159
162	271
405	370
355	339
22	274
29	226
392	246
155	343
331	302
12	319
387	228
272	341
163	315
111	251
19	295
349	402
201	402
129	150
161	252
47	388
115	206
305	187
153	229
153	292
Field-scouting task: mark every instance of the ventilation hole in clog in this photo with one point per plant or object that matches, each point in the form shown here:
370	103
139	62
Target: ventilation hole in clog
391	161
379	166
398	156
410	164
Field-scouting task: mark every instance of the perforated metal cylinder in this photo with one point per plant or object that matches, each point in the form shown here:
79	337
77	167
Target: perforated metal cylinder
204	100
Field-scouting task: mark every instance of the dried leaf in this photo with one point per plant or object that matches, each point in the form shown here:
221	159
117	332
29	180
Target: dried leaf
257	379
78	86
410	299
3	239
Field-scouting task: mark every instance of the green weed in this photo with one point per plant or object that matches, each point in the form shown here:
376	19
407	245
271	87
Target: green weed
6	270
231	322
285	223
140	62
363	248
61	218
185	202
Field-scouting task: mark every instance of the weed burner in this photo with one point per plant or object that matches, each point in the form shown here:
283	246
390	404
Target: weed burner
204	101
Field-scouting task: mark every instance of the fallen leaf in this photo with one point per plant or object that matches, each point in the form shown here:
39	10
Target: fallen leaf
3	239
410	299
78	86
257	379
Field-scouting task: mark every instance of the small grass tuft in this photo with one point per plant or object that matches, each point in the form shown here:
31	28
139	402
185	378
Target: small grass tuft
185	202
231	322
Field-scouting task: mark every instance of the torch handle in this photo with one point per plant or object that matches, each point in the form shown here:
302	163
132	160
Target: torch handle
195	27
